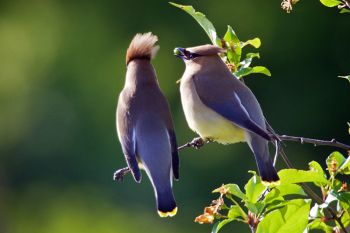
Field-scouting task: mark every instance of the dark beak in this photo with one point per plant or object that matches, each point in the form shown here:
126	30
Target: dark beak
179	52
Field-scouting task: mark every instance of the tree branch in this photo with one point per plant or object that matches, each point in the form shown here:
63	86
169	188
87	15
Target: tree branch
315	142
197	143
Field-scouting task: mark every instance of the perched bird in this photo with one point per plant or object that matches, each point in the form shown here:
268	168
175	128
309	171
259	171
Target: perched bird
145	127
221	108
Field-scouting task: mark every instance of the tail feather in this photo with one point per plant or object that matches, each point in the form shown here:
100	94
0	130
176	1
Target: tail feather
142	46
166	204
267	171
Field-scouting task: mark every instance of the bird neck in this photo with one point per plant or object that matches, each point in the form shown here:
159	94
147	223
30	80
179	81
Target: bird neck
140	72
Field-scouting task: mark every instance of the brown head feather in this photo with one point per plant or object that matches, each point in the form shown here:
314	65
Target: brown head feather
142	46
206	50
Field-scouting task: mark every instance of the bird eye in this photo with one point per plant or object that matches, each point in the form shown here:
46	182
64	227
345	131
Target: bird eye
189	55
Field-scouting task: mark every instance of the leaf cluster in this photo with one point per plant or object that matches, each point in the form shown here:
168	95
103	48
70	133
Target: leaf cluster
239	65
287	207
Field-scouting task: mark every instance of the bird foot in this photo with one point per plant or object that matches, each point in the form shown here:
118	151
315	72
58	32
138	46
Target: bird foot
119	174
197	143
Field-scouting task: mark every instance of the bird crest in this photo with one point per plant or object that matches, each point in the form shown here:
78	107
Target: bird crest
142	46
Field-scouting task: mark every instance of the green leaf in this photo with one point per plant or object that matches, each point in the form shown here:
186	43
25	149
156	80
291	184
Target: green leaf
345	167
234	212
254	188
234	50
217	226
261	70
330	3
291	218
244	71
342	11
342	197
256	43
203	22
234	190
283	190
345	219
292	176
347	77
248	60
252	55
317	224
334	162
256	207
315	166
230	36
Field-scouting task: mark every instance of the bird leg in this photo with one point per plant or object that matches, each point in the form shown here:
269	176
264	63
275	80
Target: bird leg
197	143
120	173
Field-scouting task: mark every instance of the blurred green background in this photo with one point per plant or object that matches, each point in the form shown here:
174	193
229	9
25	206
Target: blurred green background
62	67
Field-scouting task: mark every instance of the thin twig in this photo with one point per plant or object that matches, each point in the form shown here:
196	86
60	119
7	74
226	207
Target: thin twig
315	142
198	142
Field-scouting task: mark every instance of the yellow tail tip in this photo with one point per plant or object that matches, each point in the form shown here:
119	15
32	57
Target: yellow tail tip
168	214
271	183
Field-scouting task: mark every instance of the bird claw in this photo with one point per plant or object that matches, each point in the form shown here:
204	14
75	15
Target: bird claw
197	143
119	174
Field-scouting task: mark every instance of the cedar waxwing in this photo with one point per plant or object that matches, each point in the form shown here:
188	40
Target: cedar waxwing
145	127
221	108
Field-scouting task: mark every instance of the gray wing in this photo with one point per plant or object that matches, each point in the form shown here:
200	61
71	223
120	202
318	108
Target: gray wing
127	138
174	152
225	101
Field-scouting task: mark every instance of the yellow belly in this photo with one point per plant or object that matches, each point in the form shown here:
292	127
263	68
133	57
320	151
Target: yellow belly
206	122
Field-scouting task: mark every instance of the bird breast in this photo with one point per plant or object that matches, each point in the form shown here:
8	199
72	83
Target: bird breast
204	121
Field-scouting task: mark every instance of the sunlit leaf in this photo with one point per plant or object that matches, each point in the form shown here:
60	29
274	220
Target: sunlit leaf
250	70
315	166
254	188
291	218
203	22
230	36
292	176
345	167
261	70
234	212
284	190
256	43
248	60
217	226
330	3
317	224
345	219
334	162
234	50
243	72
254	207
347	77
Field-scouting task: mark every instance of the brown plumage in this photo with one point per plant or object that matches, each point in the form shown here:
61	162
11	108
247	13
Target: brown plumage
221	108
144	124
142	46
